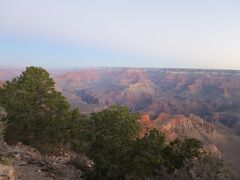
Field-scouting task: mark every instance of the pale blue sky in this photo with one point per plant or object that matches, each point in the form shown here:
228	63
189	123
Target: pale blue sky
135	33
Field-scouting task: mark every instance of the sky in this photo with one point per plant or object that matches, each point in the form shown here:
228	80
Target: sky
120	33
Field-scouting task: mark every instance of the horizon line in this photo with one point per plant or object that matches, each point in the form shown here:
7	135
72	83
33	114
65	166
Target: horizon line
120	67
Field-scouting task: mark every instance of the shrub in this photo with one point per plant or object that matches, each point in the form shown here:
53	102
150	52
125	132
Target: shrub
113	132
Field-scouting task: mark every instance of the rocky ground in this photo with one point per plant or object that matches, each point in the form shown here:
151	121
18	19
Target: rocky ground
26	163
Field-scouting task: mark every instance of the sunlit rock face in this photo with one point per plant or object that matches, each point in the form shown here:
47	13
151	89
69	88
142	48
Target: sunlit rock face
147	124
174	126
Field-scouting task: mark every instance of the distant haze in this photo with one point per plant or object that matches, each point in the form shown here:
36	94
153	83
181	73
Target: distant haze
120	33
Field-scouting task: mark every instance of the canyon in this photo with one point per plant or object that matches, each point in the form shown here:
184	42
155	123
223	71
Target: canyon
204	104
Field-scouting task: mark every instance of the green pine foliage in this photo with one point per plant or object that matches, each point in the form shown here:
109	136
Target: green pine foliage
2	123
113	133
146	157
37	114
79	131
179	151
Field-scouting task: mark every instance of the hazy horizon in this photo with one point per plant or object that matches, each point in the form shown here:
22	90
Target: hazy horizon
145	34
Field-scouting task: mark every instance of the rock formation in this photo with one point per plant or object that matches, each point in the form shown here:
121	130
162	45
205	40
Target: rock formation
26	163
7	172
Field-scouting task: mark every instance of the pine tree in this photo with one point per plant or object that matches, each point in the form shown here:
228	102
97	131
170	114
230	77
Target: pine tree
37	114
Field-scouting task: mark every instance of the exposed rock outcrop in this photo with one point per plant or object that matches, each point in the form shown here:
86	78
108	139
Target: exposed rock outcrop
1	83
212	150
178	125
146	123
198	122
29	164
7	172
